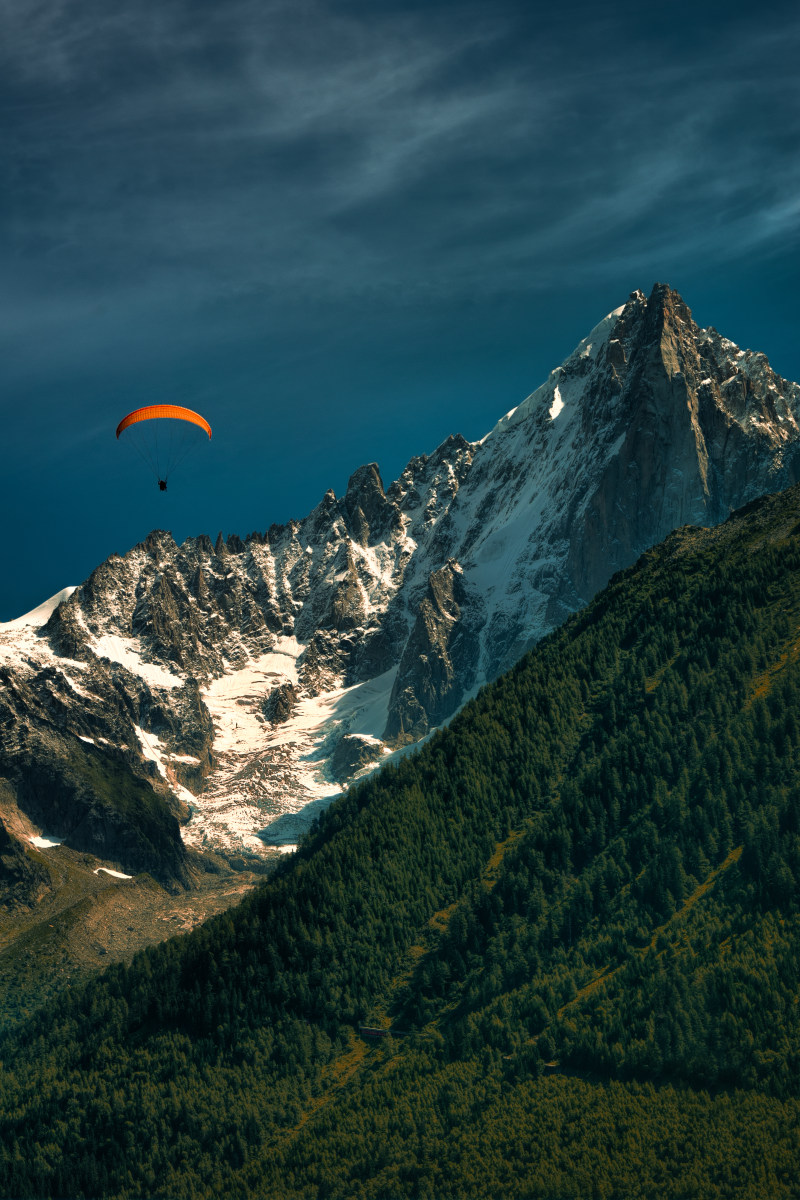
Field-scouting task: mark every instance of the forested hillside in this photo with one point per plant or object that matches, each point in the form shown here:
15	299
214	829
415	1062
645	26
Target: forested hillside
576	909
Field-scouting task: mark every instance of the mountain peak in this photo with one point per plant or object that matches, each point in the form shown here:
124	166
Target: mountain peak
385	609
159	541
365	503
665	305
365	480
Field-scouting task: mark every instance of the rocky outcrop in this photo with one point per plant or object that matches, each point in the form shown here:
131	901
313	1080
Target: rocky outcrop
649	424
279	704
94	801
370	516
440	660
92	753
351	754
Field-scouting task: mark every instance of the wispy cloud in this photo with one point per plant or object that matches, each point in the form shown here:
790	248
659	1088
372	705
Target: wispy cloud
184	155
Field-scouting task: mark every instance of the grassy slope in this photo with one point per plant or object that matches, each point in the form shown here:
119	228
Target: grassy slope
84	921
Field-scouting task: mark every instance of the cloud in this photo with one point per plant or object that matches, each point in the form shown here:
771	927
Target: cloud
180	157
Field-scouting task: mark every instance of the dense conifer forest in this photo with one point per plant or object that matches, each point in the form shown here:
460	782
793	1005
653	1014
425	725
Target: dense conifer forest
573	914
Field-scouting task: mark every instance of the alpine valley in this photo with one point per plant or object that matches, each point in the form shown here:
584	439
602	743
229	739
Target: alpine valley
215	697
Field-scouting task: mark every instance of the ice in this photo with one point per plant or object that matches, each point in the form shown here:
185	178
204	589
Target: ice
233	699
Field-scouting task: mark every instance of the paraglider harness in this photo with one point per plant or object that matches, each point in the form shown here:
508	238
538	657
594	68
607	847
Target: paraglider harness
162	484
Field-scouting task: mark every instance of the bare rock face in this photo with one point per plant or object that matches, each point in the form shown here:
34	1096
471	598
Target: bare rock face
439	661
368	512
703	428
72	736
376	616
651	423
351	753
279	704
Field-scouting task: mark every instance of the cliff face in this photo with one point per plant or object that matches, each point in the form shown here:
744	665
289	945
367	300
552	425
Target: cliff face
703	428
439	660
240	681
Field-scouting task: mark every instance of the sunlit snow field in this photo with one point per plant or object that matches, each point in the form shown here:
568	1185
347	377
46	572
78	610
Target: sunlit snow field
270	782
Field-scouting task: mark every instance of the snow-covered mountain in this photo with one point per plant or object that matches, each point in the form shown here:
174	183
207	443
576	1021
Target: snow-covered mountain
245	681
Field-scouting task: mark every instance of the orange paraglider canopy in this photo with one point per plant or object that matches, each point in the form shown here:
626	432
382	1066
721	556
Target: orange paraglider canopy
176	411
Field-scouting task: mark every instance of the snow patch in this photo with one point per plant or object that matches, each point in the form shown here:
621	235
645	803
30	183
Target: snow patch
108	871
45	842
153	751
234	698
127	653
590	347
39	615
79	691
271	781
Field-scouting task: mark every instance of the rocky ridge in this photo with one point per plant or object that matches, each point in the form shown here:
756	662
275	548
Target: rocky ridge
241	681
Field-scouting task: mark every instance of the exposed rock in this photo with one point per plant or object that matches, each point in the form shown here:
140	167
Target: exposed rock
279	705
351	753
368	513
65	631
71	758
93	801
440	660
687	437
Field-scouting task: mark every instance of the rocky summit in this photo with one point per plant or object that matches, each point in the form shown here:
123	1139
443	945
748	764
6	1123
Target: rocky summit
217	694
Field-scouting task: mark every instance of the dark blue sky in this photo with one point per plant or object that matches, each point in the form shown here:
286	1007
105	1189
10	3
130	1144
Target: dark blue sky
344	230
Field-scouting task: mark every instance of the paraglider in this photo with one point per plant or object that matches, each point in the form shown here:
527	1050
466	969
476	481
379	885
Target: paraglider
163	434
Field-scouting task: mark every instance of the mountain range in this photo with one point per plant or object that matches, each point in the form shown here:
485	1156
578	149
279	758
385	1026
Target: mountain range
215	696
